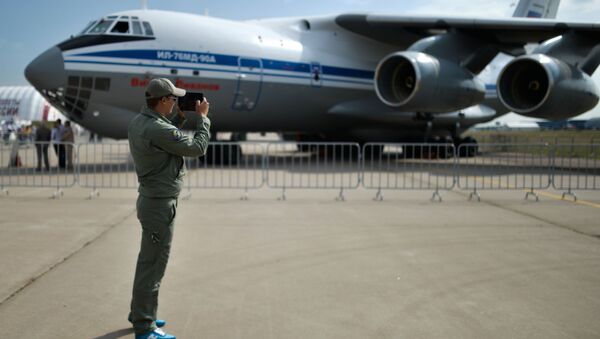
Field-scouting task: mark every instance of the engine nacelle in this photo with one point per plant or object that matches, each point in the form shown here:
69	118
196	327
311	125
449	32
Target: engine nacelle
415	81
540	86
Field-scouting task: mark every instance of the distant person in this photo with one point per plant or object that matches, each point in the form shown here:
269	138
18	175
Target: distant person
42	141
59	148
5	132
158	148
55	135
68	138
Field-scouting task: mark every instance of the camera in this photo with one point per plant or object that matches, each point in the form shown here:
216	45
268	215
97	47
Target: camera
188	102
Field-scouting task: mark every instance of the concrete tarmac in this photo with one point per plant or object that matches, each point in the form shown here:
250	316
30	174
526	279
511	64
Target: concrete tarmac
308	267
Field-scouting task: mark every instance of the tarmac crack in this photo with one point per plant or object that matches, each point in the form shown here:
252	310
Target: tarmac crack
522	213
535	217
64	259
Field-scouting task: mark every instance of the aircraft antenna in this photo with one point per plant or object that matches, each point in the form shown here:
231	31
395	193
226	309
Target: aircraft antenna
206	12
144	4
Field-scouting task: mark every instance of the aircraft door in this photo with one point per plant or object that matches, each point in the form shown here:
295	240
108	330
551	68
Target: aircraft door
316	74
249	84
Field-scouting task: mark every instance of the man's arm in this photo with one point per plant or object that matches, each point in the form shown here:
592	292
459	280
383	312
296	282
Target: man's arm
171	140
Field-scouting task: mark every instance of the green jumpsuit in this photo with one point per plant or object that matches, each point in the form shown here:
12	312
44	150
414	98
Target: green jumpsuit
158	148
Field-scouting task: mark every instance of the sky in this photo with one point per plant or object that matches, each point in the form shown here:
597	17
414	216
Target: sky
29	27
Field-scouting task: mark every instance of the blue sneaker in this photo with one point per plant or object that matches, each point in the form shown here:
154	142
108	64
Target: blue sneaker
158	322
156	334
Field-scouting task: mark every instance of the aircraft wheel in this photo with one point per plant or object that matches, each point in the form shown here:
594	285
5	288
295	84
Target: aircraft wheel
468	147
222	154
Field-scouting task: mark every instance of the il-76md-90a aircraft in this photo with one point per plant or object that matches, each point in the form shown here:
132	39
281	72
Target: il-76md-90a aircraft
350	77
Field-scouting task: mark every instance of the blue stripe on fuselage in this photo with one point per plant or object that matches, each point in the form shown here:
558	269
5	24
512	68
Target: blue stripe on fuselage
226	60
308	77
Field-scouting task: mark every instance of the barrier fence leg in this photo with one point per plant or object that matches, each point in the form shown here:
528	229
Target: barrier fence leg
378	195
341	197
474	194
3	190
57	194
282	197
436	196
569	193
245	196
94	193
531	192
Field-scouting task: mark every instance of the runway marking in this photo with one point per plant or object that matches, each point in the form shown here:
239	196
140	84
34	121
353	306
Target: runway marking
558	197
544	193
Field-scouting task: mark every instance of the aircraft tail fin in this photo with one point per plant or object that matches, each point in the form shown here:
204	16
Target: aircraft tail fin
536	9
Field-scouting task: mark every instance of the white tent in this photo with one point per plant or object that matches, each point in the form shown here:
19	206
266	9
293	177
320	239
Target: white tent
22	104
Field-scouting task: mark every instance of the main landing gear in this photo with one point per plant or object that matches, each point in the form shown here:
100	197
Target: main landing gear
467	147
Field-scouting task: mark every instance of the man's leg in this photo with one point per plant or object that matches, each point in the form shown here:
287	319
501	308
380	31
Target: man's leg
45	153
69	149
157	217
38	150
61	156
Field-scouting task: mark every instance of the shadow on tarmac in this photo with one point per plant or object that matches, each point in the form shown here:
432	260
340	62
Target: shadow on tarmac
116	334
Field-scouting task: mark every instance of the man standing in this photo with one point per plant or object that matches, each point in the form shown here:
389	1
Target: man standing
59	148
42	141
68	138
158	148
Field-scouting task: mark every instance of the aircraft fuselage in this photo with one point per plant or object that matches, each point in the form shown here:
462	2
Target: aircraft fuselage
287	75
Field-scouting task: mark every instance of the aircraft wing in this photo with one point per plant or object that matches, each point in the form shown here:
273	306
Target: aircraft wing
509	34
437	57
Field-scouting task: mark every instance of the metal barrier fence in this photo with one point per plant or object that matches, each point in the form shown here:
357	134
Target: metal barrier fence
39	164
309	165
105	165
576	167
408	167
227	165
504	167
340	166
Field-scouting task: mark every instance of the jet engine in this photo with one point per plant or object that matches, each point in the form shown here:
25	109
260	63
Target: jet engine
415	81
540	86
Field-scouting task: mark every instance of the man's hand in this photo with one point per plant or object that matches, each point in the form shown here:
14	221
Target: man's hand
180	112
202	107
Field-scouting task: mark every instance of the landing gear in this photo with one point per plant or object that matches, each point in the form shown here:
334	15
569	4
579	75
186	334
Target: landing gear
438	148
467	147
331	151
222	153
372	151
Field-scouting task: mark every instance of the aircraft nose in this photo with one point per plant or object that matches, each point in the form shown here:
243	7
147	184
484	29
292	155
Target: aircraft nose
47	71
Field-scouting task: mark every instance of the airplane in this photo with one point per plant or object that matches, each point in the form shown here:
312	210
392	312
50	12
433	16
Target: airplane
347	77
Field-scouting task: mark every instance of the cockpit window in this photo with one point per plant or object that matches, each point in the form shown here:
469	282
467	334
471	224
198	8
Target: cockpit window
147	28
101	27
122	27
137	28
119	26
88	27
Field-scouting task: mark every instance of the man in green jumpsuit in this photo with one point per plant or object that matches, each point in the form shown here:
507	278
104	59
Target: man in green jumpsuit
158	147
